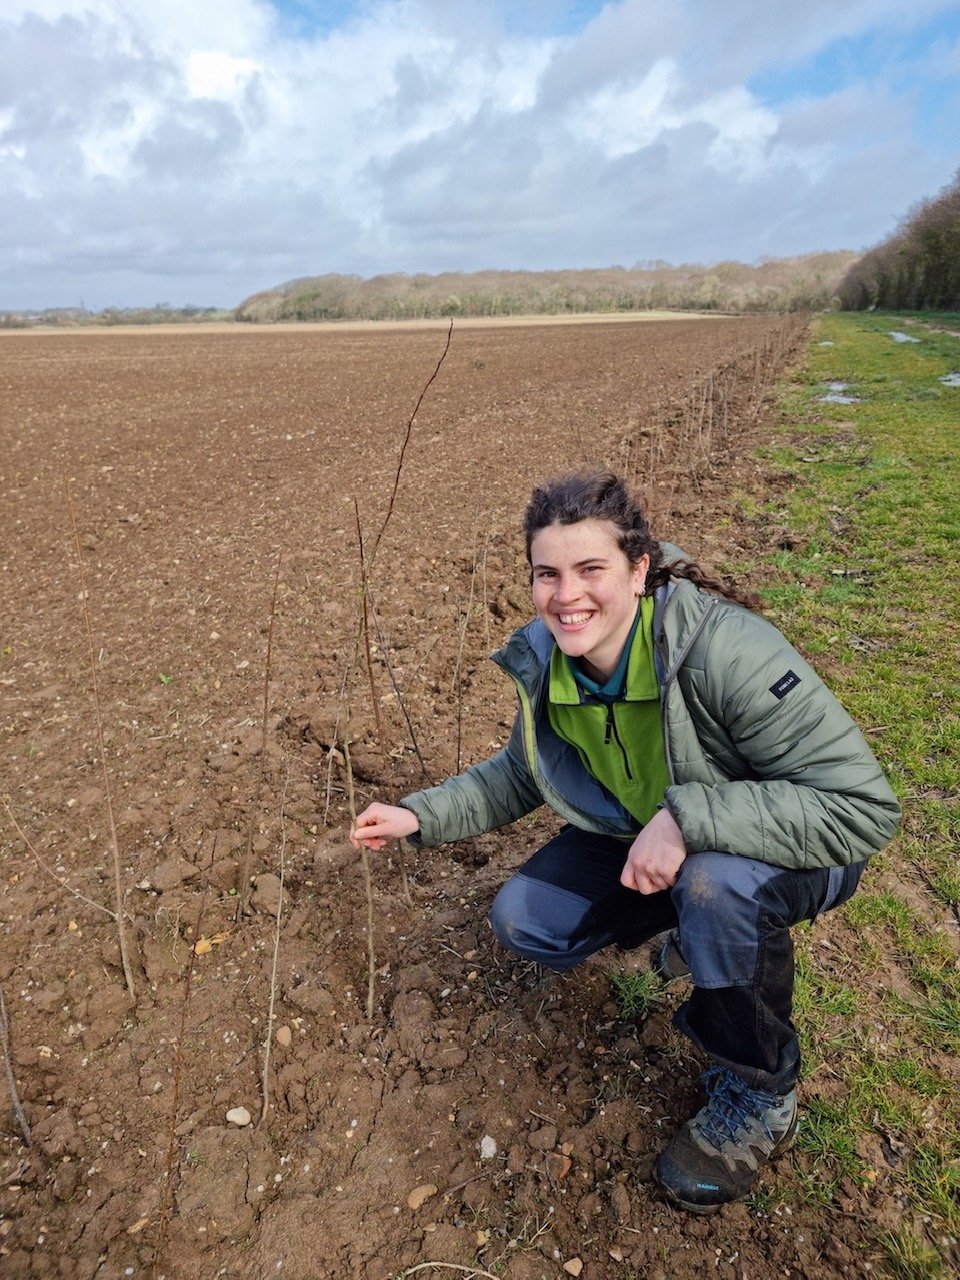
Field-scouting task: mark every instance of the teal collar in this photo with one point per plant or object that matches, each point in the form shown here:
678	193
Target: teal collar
612	689
635	677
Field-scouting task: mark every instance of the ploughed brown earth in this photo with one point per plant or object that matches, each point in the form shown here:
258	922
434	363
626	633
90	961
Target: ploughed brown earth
488	1118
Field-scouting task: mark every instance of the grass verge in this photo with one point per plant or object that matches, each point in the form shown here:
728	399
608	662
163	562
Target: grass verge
867	584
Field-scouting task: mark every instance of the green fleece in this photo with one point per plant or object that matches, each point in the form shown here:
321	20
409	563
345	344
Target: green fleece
620	743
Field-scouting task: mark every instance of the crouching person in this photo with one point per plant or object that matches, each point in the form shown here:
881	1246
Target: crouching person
713	790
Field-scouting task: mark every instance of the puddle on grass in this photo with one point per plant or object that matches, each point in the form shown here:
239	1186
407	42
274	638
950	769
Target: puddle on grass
951	380
836	394
897	336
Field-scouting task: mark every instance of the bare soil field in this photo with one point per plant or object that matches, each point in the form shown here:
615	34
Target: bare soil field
198	462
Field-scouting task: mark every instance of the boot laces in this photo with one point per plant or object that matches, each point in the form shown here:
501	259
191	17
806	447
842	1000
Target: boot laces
731	1107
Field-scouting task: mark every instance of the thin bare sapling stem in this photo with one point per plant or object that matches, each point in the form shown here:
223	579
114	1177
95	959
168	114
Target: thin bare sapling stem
8	1065
486	599
363	637
461	641
375	698
271	1004
114	843
366	570
332	749
243	888
367	879
164	1213
403	448
384	654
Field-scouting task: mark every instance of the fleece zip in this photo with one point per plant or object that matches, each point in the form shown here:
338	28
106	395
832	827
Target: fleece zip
616	729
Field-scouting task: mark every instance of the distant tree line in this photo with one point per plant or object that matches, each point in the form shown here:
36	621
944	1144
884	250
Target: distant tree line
806	283
72	317
918	267
782	284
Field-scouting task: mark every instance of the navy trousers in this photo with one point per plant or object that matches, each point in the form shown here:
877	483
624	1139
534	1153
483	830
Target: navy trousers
734	916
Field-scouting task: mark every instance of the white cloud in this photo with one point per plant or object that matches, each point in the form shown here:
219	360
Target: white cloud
618	119
164	148
211	73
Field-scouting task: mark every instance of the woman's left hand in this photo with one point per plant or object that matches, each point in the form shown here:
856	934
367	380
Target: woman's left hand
656	855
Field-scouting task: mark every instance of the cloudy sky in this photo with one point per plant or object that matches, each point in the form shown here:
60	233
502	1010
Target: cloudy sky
194	151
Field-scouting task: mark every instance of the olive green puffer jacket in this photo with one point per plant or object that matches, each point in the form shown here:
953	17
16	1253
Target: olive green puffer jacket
764	761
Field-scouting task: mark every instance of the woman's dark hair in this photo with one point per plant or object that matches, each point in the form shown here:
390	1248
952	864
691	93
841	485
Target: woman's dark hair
603	495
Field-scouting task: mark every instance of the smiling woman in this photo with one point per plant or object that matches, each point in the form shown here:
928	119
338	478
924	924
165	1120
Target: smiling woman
711	785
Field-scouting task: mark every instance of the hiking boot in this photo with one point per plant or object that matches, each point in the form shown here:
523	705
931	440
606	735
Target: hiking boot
718	1155
670	965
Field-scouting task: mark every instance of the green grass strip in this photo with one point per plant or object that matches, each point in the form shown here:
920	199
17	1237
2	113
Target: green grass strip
868	586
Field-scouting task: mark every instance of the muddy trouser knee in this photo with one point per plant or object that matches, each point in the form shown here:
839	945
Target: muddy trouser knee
567	902
734	915
734	918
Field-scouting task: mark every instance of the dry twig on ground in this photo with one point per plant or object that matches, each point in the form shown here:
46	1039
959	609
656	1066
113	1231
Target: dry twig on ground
48	870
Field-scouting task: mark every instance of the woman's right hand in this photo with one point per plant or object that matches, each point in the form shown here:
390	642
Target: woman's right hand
382	822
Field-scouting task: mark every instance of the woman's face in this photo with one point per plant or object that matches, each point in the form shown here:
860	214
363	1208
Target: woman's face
585	590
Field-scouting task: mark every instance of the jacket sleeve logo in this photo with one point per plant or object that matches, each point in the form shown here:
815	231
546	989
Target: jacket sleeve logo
782	687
